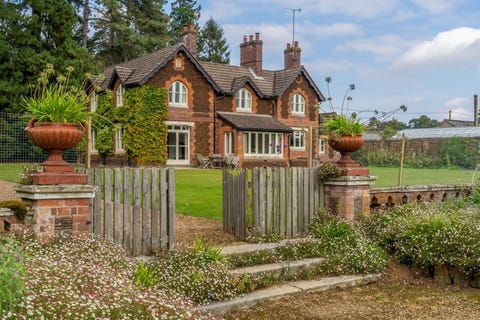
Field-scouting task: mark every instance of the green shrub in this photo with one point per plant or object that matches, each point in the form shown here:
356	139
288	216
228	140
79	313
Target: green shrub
429	234
200	273
145	275
12	288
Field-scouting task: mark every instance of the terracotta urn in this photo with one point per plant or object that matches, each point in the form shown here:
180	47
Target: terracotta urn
55	138
346	144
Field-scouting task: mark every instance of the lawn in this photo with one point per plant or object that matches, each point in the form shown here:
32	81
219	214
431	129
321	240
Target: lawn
199	192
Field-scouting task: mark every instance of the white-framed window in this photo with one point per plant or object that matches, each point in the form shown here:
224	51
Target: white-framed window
244	100
120	92
228	143
177	94
93	102
263	144
178	63
93	139
297	139
178	143
321	146
298	104
119	147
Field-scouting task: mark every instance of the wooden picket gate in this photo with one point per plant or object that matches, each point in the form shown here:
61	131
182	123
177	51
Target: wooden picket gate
283	201
134	207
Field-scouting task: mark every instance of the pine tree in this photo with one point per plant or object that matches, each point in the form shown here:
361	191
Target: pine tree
183	12
212	45
127	29
36	33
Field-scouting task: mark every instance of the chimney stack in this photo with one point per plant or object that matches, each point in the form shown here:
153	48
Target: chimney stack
475	111
292	56
251	53
189	38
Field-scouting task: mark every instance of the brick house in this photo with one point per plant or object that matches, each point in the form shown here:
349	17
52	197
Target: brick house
264	117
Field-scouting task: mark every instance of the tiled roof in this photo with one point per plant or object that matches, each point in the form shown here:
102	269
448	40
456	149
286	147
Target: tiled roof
139	70
226	79
253	122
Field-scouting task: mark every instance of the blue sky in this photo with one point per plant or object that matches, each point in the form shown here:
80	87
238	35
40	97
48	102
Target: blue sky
424	54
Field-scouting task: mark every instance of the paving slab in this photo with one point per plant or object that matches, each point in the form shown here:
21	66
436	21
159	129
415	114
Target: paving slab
291	288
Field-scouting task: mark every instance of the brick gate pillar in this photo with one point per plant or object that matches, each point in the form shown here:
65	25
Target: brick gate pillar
348	196
57	208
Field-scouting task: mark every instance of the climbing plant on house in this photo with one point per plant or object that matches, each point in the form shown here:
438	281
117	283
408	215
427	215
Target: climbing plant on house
143	117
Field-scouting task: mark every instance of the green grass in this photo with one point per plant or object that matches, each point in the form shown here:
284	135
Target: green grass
199	192
389	176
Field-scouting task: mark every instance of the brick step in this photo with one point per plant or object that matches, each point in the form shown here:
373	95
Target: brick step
280	267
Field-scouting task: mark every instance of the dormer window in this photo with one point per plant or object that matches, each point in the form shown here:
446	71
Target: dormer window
244	100
120	92
93	102
177	94
298	104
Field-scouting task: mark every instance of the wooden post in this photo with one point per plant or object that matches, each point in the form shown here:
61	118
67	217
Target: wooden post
402	152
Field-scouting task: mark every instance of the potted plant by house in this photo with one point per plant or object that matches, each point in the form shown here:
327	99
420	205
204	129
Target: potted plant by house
344	130
58	119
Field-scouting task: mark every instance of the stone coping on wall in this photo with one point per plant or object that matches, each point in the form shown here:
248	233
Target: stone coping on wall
351	181
420	188
61	191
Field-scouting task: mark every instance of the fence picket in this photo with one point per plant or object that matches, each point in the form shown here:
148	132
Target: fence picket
146	224
171	206
269	202
127	217
117	213
97	204
163	209
108	205
154	212
137	226
283	211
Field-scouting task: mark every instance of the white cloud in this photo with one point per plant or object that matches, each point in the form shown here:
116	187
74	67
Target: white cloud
452	47
436	6
336	29
460	107
384	46
362	9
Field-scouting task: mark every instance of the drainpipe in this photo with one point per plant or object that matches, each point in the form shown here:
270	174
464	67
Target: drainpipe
215	123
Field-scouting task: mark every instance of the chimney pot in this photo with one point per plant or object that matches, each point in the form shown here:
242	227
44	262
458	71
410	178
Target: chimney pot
296	44
251	38
251	53
288	46
244	39
257	36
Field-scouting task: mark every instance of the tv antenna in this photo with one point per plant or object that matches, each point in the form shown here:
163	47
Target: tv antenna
294	10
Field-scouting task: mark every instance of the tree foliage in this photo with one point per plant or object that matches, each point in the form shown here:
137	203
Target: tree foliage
127	29
34	34
183	12
212	45
422	122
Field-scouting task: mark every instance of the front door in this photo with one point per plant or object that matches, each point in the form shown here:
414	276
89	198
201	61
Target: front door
178	143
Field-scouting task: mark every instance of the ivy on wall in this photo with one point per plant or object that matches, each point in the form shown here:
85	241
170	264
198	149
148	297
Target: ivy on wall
104	125
143	117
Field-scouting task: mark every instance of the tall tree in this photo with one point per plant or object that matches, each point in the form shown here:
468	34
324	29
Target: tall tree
183	12
422	122
127	29
212	45
36	33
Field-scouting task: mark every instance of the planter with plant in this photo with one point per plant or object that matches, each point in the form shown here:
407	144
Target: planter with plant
344	130
58	120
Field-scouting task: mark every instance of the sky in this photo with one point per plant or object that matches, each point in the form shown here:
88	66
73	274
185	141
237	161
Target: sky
424	54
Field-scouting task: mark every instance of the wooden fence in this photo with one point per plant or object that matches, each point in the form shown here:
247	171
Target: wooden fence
283	201
134	207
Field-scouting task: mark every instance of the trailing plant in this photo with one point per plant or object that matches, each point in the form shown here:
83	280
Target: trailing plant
17	206
327	170
25	177
200	273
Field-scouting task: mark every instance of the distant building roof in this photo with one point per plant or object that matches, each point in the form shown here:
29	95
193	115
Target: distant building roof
447	123
430	133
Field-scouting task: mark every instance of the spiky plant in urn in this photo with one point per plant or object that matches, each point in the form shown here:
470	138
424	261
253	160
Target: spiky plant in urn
58	114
